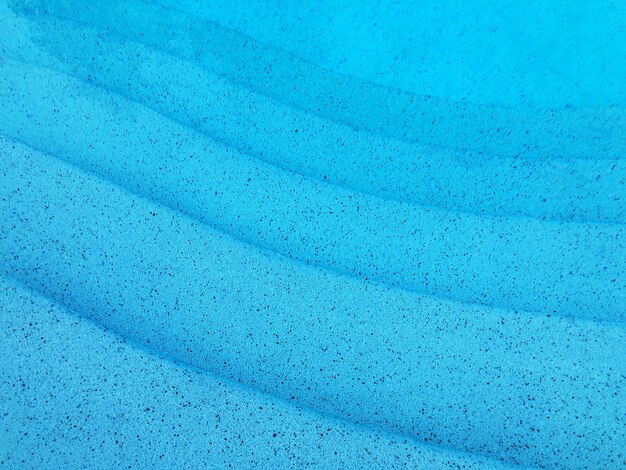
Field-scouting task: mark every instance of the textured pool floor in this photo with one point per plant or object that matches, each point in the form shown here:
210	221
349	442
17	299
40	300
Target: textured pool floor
220	247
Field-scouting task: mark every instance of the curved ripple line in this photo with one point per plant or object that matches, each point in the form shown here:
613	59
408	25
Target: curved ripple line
195	294
443	125
183	7
61	232
273	253
150	348
286	224
21	290
553	179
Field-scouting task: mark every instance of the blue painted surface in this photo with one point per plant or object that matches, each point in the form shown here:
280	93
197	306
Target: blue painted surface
326	236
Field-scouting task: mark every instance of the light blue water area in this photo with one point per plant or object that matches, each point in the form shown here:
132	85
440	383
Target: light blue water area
280	234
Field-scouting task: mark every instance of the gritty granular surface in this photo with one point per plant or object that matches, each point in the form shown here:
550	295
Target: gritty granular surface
228	242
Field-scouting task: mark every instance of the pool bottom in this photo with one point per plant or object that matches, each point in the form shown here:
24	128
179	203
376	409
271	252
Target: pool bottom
75	392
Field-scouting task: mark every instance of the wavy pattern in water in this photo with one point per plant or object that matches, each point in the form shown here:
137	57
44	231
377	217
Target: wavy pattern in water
329	342
42	334
593	133
304	143
517	263
462	51
139	219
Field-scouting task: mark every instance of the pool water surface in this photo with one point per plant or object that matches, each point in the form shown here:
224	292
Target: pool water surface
319	234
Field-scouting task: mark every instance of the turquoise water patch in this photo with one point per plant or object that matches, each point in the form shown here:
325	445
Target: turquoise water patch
334	237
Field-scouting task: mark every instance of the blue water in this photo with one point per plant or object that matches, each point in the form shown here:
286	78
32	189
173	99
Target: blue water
328	235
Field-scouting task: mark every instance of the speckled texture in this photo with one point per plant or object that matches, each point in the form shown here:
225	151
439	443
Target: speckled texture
298	141
132	409
582	132
328	341
439	282
321	148
511	54
505	262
